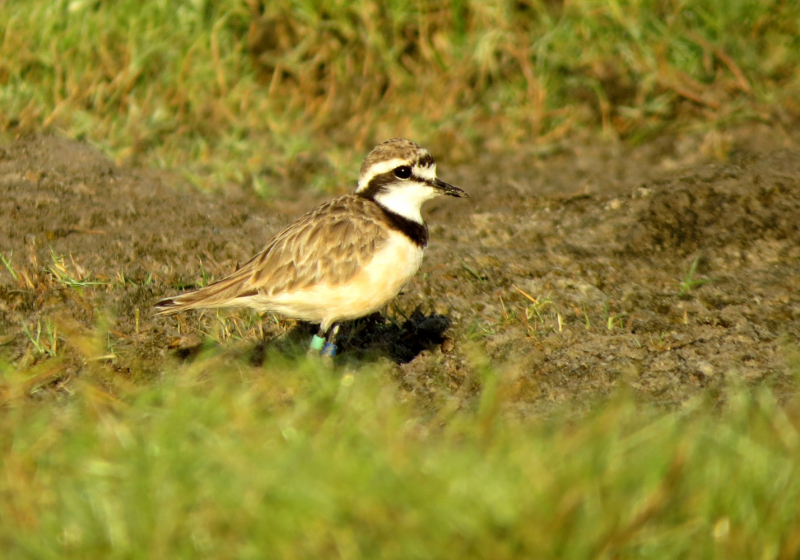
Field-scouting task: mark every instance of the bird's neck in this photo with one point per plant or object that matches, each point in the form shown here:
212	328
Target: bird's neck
415	231
406	202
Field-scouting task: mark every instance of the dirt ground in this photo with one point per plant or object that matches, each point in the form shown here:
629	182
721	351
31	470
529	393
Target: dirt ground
575	273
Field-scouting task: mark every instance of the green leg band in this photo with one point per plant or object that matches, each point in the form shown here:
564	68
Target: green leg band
317	343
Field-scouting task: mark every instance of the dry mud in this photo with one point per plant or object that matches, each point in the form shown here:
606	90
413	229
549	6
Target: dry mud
571	275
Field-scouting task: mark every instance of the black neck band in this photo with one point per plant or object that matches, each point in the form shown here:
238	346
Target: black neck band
415	231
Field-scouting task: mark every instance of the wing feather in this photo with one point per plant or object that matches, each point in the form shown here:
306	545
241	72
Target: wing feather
329	244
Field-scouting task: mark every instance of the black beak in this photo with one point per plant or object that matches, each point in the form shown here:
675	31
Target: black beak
448	189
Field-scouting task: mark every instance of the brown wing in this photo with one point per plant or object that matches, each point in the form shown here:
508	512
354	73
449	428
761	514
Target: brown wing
331	244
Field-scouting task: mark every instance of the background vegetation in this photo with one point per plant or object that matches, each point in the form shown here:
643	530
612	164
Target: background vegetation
229	461
291	91
220	459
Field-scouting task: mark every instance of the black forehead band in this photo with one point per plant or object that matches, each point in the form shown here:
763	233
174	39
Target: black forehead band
425	160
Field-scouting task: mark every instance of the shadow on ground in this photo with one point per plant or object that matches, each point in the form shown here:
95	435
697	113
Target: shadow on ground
366	340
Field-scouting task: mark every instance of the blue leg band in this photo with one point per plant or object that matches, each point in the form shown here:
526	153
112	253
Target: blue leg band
317	343
329	350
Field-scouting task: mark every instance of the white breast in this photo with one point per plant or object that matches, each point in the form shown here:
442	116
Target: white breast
379	281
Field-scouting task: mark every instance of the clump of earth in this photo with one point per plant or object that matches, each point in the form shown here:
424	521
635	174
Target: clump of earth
654	267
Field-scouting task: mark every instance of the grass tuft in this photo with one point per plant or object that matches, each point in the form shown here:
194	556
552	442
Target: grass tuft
224	461
293	92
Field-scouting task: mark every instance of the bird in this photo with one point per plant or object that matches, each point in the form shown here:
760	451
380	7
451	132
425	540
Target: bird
344	259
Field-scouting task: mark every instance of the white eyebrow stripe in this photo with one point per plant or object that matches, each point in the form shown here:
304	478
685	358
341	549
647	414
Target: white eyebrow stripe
427	173
377	169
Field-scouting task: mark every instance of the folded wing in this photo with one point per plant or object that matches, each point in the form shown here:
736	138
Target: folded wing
328	245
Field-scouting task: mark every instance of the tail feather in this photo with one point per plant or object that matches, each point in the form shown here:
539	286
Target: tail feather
219	294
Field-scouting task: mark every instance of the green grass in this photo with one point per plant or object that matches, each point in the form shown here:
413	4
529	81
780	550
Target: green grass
295	93
222	460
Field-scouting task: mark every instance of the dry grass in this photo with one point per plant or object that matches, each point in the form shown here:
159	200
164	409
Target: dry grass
289	92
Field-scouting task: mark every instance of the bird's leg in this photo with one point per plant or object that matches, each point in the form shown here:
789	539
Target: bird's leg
317	342
330	343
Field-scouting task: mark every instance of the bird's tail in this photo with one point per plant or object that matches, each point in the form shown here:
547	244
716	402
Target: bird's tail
173	305
219	294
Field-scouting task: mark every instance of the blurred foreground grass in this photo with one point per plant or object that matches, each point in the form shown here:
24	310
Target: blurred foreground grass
219	460
293	92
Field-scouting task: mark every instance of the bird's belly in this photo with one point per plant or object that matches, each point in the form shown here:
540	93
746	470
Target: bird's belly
379	281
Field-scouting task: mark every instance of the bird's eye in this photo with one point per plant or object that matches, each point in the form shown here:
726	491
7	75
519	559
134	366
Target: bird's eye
402	172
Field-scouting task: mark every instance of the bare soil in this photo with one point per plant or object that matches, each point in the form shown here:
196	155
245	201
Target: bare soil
573	274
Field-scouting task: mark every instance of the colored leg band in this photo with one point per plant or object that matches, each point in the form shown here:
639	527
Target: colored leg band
329	350
317	343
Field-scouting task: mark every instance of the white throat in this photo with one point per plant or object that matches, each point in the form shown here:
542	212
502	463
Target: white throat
406	199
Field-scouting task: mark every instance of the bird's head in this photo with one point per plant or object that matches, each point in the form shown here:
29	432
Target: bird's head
401	175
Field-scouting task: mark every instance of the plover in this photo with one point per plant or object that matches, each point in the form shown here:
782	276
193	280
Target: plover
344	259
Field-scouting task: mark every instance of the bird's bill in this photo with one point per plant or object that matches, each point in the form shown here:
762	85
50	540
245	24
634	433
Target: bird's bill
448	189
